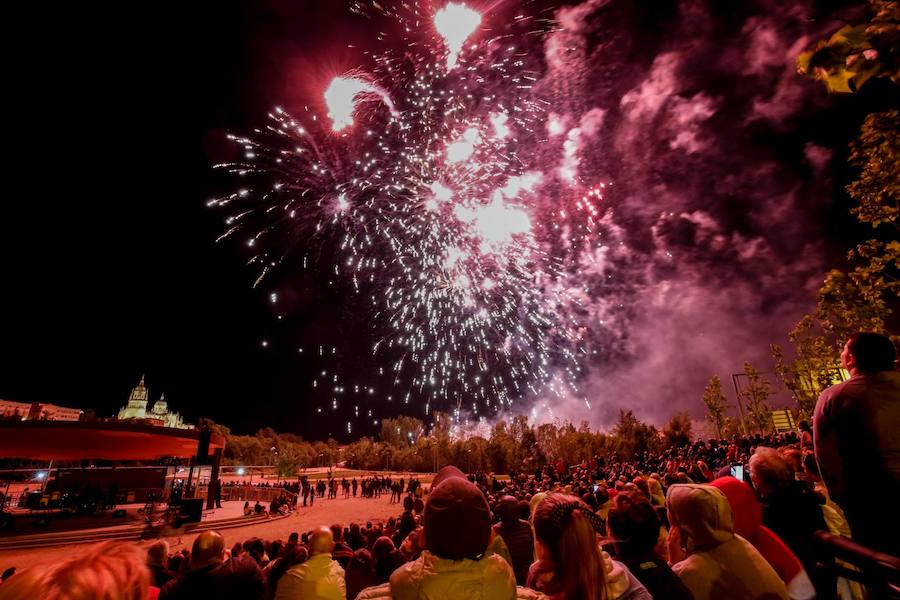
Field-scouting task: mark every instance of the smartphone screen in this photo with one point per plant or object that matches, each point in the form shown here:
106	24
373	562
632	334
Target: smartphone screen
737	471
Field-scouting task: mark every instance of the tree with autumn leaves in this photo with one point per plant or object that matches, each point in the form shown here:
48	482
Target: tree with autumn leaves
862	296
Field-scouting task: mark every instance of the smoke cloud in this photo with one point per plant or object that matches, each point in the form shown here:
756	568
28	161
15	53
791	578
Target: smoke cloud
712	249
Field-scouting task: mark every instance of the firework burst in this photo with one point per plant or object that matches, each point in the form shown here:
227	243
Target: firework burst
426	173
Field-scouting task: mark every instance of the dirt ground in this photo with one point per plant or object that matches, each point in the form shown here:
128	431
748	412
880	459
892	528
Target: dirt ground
324	512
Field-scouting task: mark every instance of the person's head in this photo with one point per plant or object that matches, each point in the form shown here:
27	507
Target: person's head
111	571
294	538
634	526
508	510
457	517
565	530
337	533
524	510
769	470
804	426
208	549
868	352
702	514
383	546
158	554
321	541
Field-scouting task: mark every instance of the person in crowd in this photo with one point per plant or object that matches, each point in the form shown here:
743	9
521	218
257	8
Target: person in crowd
856	442
517	535
342	553
454	564
247	510
318	577
293	555
158	563
210	575
571	565
706	554
360	573
634	527
387	558
110	571
747	519
792	511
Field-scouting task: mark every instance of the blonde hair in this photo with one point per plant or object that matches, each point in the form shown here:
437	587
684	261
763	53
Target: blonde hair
770	467
107	571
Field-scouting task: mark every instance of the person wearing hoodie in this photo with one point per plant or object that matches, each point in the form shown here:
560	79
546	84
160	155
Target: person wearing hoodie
571	565
455	564
705	553
747	516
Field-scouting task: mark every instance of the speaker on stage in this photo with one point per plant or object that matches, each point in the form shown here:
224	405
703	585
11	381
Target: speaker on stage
191	510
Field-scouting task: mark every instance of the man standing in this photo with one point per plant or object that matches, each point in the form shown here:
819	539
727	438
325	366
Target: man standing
857	445
319	577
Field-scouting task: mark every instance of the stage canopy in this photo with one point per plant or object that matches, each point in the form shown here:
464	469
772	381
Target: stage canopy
66	440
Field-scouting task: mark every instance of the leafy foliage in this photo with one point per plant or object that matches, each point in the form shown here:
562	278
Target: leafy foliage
716	404
855	54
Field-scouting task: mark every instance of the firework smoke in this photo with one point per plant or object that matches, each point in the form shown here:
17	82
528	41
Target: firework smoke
551	217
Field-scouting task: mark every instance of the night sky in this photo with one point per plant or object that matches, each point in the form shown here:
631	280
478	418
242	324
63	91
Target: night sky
110	268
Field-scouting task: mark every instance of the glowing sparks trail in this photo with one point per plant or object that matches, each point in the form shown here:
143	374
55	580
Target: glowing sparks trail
341	96
456	22
443	214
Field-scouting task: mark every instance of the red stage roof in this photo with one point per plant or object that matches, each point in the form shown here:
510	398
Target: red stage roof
66	440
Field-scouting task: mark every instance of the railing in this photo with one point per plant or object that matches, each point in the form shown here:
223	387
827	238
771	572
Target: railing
253	494
879	572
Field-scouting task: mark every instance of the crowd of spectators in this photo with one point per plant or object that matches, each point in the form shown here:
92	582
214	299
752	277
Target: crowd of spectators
713	520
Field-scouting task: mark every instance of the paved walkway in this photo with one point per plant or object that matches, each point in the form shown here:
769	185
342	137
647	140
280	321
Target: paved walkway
324	512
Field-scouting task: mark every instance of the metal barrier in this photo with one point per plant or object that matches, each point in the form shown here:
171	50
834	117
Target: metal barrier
879	572
252	494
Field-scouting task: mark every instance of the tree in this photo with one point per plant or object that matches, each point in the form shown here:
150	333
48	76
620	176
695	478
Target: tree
678	430
863	296
716	404
631	437
756	399
402	431
855	54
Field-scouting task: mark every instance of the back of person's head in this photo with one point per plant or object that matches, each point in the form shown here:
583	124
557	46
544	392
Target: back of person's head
158	553
294	538
408	503
566	528
321	541
337	533
457	517
634	526
108	571
293	555
769	470
702	513
208	549
508	509
873	352
524	510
